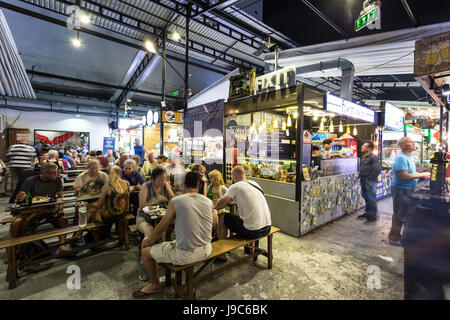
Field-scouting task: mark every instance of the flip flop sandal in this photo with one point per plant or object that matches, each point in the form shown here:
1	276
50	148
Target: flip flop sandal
142	295
395	243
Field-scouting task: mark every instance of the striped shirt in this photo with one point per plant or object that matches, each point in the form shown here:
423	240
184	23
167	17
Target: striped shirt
20	156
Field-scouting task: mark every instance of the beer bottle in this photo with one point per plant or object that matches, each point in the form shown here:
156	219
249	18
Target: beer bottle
28	199
210	192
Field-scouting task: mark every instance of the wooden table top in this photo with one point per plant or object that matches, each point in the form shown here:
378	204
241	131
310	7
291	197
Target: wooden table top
22	208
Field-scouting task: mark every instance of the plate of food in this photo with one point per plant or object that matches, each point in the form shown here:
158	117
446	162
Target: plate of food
39	199
151	209
161	212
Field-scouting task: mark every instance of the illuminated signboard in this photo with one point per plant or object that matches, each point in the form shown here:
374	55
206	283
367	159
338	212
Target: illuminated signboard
350	109
367	19
393	117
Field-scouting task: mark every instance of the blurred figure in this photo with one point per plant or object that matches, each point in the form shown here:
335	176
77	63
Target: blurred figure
122	158
20	157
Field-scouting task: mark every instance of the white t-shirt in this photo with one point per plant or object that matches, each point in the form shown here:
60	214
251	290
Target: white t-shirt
253	208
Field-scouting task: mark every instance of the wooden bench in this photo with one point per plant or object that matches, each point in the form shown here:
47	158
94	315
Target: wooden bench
12	244
7	220
219	248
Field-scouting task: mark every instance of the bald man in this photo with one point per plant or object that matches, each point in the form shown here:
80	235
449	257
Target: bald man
403	184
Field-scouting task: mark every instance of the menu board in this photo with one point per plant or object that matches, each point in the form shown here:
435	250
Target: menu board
393	117
348	108
277	142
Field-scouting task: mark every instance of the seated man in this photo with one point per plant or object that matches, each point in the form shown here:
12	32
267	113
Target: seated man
135	180
254	215
47	184
192	214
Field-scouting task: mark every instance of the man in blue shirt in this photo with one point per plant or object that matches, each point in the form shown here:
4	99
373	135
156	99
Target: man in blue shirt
403	184
139	149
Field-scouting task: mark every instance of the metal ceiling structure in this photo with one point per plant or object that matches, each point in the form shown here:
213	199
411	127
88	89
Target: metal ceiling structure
219	38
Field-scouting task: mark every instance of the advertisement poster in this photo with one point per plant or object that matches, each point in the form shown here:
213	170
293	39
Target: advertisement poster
109	144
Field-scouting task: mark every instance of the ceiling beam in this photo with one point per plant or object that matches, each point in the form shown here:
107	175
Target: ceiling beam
387	84
410	13
324	18
36	15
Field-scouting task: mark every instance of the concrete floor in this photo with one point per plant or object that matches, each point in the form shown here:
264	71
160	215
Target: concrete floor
329	263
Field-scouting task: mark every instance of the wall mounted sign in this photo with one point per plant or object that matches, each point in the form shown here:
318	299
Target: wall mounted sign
242	85
155	117
350	109
172	117
149	117
432	55
393	117
276	80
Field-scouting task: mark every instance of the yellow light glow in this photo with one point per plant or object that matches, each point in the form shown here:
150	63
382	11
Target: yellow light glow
271	126
264	125
348	129
176	36
85	18
355	131
283	125
275	123
76	42
341	127
150	46
289	121
295	115
331	126
322	126
315	118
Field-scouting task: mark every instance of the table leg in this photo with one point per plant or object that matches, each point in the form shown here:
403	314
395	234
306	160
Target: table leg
256	246
12	268
190	283
269	251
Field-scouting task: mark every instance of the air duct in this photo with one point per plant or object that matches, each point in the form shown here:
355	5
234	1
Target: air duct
347	68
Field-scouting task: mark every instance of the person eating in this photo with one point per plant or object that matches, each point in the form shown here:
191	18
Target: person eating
155	192
192	215
47	184
150	165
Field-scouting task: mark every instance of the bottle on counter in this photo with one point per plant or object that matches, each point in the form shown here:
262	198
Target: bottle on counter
28	199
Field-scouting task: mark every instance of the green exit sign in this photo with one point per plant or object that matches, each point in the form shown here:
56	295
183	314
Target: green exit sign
175	93
366	19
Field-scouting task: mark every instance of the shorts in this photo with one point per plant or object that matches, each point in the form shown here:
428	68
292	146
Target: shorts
236	225
402	203
48	214
167	252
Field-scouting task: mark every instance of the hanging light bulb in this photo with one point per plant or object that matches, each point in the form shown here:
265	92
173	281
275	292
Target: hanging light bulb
355	131
264	125
295	115
260	126
348	128
275	123
289	121
271	126
331	126
341	127
315	118
287	133
322	126
283	125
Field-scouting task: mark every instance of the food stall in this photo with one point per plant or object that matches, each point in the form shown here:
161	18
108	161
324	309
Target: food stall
266	132
164	133
203	140
129	129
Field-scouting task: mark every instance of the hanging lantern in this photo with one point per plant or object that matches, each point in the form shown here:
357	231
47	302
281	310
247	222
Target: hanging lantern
289	121
283	125
275	123
341	127
355	131
348	128
331	126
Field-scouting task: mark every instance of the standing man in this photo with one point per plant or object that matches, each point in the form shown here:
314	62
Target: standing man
326	151
368	173
20	157
403	184
138	149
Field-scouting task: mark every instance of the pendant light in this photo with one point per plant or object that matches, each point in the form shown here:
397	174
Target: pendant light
355	131
283	125
287	133
289	121
271	126
341	127
264	124
315	118
331	125
260	126
348	127
322	126
275	123
295	115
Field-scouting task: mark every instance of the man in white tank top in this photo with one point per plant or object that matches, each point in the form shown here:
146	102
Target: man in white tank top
192	214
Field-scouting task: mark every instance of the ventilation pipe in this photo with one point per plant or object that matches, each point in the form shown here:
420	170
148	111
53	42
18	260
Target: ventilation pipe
347	68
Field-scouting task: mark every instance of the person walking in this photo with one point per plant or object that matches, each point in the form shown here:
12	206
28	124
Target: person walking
20	157
368	174
403	184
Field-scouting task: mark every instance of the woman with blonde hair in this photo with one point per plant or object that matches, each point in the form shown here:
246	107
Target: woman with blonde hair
113	204
217	187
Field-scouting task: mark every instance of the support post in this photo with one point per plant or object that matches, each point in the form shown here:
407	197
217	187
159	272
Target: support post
186	66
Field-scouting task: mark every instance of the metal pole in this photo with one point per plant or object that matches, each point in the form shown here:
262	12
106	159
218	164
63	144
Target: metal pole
163	90
446	130
441	119
186	66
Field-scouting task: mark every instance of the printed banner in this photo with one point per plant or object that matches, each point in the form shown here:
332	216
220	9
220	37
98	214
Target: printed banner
210	114
109	144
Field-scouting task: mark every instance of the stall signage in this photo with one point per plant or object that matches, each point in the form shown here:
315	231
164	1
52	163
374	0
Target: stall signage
276	80
413	129
149	117
432	55
172	117
393	135
350	109
109	144
319	136
307	137
393	117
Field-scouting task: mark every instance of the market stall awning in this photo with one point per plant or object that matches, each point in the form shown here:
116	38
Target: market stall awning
378	54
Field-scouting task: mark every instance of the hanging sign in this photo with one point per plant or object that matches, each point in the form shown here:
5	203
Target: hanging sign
432	55
276	80
393	117
109	144
172	117
350	109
